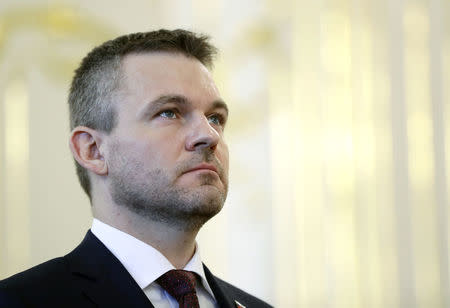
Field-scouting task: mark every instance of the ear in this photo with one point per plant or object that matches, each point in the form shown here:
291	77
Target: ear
85	145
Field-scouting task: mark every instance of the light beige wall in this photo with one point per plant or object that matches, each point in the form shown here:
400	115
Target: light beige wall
339	139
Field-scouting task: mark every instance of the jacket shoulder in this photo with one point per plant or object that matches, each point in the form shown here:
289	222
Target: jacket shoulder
48	272
32	286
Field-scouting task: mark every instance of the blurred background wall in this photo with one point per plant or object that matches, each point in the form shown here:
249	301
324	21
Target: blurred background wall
339	138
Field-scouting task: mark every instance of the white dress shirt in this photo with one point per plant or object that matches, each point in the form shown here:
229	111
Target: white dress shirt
146	264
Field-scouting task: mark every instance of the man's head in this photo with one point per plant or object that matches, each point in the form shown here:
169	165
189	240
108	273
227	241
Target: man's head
144	113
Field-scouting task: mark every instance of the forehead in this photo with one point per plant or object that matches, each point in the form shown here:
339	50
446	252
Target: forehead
159	72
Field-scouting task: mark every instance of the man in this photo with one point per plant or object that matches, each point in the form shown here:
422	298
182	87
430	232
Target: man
147	136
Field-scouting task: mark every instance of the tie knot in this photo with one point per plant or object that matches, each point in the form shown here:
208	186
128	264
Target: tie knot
178	283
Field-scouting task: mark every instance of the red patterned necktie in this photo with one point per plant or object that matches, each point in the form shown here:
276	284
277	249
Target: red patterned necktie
180	285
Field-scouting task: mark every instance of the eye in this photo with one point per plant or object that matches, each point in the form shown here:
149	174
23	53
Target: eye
216	119
169	114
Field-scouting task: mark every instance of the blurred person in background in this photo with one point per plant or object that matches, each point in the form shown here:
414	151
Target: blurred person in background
147	137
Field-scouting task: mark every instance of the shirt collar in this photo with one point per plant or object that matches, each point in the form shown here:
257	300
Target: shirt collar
144	263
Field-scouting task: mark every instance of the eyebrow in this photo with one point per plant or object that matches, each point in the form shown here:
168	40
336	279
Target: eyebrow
181	100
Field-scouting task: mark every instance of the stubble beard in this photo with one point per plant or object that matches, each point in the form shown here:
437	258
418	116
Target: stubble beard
154	196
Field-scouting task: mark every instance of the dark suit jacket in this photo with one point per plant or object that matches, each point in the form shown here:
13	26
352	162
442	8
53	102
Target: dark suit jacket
91	276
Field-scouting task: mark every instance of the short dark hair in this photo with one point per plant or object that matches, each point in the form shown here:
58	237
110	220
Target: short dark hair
98	78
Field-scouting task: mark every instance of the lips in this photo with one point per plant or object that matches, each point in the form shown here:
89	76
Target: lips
203	166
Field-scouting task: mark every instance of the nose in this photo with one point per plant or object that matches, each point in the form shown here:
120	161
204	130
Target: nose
201	135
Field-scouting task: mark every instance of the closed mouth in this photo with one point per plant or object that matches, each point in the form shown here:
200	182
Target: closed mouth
203	167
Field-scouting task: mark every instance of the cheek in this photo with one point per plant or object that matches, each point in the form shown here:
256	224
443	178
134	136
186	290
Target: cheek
158	153
133	152
223	156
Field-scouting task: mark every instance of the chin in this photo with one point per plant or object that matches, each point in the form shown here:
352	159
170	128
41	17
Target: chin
207	188
202	209
209	200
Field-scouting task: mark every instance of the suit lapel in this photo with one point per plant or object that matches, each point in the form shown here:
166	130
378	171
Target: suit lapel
102	278
106	283
223	298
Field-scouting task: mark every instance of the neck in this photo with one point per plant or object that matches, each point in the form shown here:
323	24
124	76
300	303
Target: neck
176	244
